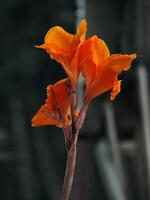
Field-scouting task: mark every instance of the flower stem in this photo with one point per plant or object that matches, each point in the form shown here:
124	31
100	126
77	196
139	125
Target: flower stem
81	117
74	102
71	143
70	168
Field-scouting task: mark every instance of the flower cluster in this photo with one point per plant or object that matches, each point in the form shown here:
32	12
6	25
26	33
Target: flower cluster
92	59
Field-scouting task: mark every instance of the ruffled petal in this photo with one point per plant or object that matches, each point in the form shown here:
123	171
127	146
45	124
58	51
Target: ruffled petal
107	73
58	40
92	52
44	117
62	47
116	89
103	82
89	73
81	30
100	50
119	62
61	92
56	110
59	44
86	62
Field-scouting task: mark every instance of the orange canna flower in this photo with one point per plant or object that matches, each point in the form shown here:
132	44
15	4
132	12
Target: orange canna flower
62	47
100	69
56	110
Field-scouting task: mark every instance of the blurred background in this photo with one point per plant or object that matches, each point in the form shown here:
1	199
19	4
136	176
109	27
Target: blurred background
113	159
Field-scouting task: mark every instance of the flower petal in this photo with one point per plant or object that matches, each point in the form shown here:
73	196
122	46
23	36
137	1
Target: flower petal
92	52
116	89
59	44
62	46
119	62
107	73
44	117
61	92
86	63
103	82
56	110
81	30
100	50
74	65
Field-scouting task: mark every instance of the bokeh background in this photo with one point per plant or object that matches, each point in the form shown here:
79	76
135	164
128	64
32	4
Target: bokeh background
113	160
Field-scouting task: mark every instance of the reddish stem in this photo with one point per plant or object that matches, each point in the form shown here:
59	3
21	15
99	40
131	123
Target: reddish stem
71	137
81	117
74	102
70	169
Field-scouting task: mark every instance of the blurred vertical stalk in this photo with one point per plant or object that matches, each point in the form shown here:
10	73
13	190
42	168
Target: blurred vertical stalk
115	147
22	149
80	14
80	11
144	100
108	172
44	158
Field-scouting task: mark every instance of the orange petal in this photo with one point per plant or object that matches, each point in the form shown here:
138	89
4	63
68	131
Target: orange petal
61	92
100	50
89	73
81	30
86	62
92	52
44	117
116	89
94	49
106	75
47	113
59	44
62	46
58	40
74	67
119	62
57	107
103	82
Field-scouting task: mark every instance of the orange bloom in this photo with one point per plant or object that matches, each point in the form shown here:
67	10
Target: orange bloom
56	110
100	69
62	47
